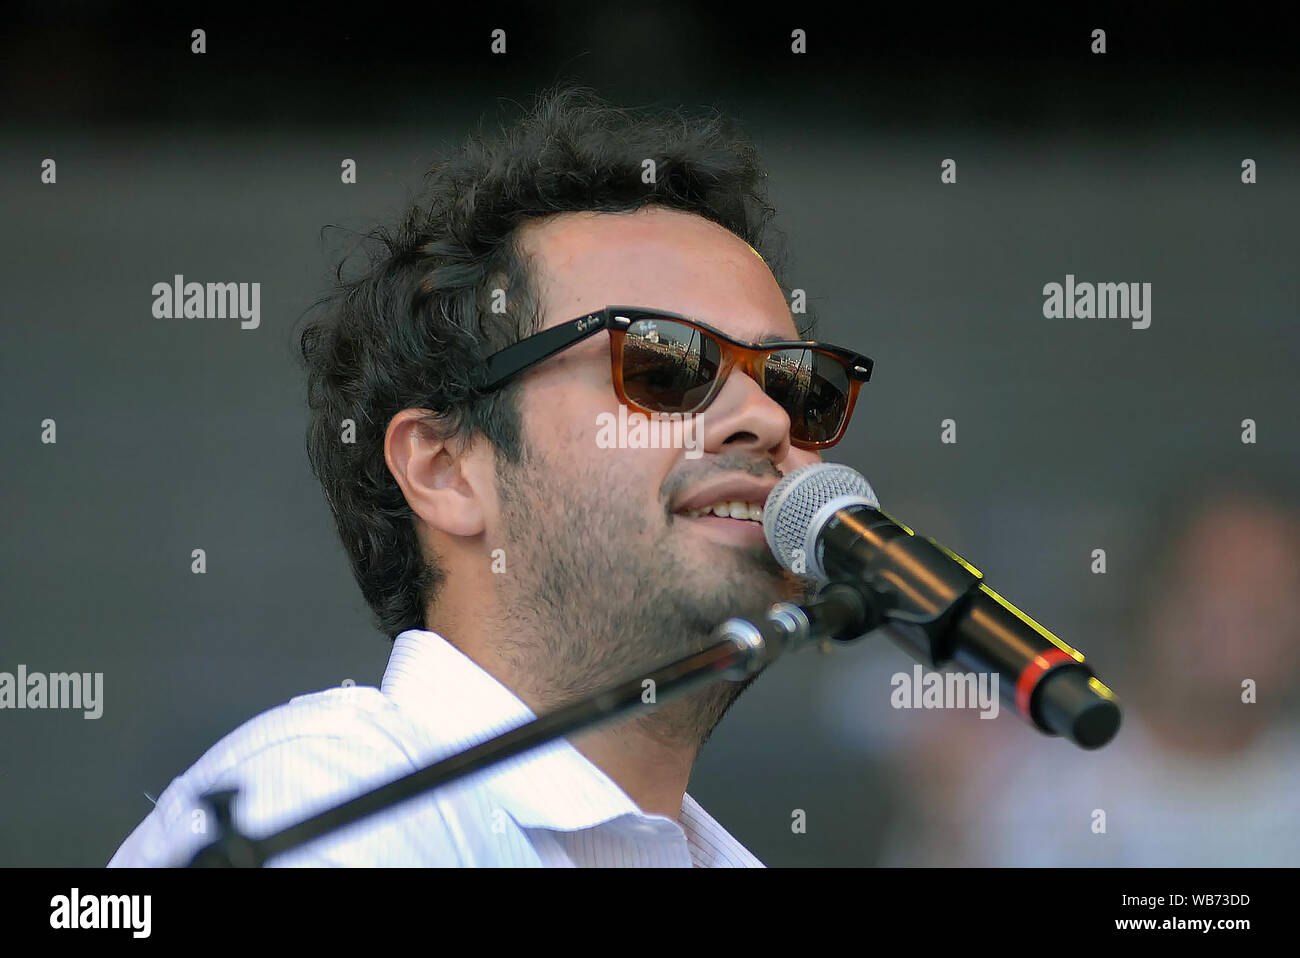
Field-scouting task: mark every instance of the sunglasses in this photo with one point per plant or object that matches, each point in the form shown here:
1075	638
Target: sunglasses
665	363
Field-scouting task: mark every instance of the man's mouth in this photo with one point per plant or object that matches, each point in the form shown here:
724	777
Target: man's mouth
730	509
732	522
727	508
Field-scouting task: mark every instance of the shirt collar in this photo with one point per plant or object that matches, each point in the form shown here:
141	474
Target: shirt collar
458	704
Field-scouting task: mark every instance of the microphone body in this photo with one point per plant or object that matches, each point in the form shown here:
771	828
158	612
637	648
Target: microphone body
827	524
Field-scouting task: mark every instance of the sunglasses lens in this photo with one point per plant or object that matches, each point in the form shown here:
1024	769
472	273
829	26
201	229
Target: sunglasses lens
813	388
668	366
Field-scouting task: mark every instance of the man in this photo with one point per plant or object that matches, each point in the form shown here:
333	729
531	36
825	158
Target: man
519	561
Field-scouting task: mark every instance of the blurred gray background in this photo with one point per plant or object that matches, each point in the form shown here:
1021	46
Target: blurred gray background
1073	435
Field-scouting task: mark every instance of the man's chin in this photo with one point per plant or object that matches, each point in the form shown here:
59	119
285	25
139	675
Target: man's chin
743	585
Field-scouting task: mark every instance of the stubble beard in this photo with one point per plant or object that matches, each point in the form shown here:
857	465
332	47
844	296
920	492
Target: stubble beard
582	610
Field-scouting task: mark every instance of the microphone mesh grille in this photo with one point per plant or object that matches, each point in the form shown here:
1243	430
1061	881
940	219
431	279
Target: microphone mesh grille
794	501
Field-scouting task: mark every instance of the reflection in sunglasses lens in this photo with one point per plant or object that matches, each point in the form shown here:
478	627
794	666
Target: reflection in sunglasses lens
668	366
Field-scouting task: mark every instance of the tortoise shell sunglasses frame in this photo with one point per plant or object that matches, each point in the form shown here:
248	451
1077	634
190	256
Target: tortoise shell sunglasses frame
506	364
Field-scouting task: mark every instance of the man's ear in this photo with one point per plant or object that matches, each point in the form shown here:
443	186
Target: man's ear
448	488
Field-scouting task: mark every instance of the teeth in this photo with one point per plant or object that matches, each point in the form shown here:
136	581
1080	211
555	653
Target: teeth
730	509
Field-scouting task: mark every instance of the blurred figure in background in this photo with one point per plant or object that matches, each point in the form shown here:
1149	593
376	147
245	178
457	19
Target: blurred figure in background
1195	777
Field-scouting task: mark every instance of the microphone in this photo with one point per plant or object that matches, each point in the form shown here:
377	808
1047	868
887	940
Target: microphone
824	522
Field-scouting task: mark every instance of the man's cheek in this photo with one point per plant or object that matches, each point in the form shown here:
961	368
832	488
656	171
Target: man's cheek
797	459
659	439
558	424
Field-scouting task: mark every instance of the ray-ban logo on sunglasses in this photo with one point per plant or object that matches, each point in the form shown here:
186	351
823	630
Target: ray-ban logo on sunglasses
587	322
660	430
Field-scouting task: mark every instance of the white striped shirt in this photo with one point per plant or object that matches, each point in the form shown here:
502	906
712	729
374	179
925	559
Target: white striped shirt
547	807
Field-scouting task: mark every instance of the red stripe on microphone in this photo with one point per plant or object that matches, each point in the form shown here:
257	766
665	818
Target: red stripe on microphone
1029	676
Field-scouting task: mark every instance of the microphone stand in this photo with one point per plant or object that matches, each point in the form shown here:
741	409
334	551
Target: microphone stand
840	611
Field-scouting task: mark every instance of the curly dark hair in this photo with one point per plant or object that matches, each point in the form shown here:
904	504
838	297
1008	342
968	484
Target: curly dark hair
414	328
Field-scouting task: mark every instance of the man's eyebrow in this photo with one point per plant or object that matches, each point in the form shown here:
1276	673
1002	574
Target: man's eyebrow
805	330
